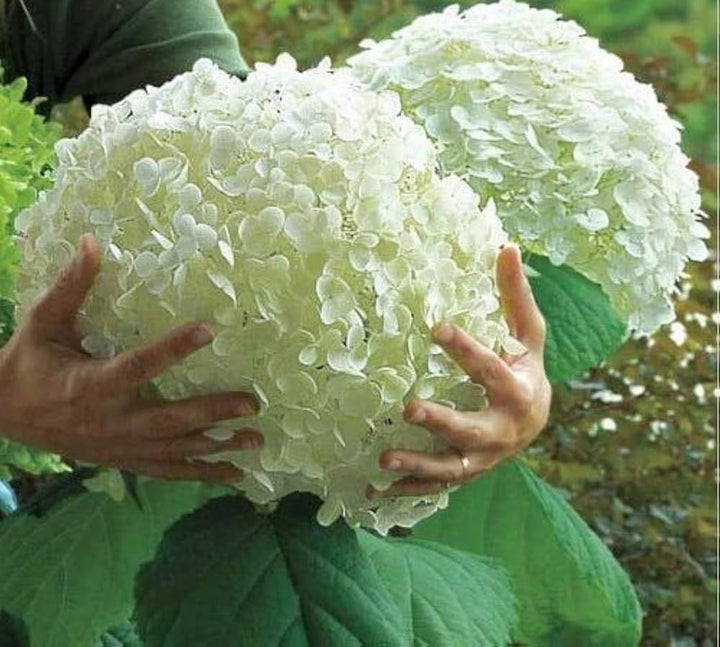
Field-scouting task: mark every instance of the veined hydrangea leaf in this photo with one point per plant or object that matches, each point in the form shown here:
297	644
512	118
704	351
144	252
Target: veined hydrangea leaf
582	327
69	574
220	569
439	601
571	589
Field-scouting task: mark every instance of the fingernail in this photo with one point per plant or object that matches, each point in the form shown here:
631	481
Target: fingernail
394	465
246	408
202	336
444	333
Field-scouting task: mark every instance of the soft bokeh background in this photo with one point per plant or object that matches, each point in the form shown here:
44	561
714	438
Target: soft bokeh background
632	444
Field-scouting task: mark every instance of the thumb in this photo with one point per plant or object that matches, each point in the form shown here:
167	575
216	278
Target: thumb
56	310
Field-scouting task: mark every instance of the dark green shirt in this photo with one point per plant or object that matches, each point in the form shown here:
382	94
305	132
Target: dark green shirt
104	49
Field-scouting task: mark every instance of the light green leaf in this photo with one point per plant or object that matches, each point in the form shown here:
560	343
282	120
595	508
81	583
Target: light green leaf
27	142
226	576
69	574
571	589
582	327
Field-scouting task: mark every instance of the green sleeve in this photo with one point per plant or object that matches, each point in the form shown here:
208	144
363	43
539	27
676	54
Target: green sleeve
104	49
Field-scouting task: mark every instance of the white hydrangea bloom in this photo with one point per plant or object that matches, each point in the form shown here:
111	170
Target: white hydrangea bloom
302	215
582	160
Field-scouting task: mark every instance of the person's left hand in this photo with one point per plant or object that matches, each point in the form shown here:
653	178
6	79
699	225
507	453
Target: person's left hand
517	388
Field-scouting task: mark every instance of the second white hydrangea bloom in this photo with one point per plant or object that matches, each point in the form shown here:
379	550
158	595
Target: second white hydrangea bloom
583	161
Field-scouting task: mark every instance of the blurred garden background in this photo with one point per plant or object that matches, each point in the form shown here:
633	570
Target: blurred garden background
632	444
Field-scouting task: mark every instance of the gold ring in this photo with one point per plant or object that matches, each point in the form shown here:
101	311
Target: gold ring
465	462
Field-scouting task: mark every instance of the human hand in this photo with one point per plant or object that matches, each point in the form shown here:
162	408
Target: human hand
518	391
55	396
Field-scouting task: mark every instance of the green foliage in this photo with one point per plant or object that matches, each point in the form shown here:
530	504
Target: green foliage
639	465
26	158
442	604
220	570
582	327
69	574
14	456
571	590
614	18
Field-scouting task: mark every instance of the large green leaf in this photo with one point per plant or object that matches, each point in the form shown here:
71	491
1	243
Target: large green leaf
226	576
69	573
571	589
583	329
441	605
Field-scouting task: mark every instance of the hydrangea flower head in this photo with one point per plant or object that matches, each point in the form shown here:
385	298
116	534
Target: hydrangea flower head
301	214
582	160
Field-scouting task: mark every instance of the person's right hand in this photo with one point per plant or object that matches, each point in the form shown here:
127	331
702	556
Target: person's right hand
55	396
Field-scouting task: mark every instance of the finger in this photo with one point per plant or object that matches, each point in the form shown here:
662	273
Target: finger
55	311
181	447
414	486
133	367
169	418
409	486
443	467
187	471
521	310
481	363
462	429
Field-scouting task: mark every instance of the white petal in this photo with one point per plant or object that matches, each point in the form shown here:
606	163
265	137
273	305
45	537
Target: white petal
227	253
145	264
206	236
223	283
